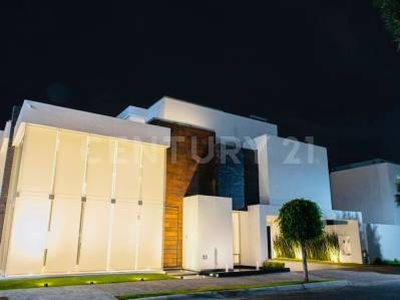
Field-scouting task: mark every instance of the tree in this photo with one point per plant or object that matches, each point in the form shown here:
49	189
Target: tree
300	221
390	11
398	192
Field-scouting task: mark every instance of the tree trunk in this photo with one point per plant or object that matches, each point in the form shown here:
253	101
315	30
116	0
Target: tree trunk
304	254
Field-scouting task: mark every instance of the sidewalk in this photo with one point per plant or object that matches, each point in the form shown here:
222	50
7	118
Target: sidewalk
108	291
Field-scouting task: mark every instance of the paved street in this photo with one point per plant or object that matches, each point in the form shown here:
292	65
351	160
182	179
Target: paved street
381	291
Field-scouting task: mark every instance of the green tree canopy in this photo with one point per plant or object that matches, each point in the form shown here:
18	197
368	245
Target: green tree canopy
390	11
300	221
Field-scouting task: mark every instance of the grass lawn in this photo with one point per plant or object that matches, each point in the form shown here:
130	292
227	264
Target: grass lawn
25	283
211	289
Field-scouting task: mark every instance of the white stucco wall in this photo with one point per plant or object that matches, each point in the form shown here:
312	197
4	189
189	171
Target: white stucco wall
253	234
383	241
207	233
393	176
350	230
369	189
225	125
291	169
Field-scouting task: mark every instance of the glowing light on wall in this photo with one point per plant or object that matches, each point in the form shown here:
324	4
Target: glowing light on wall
297	253
334	256
78	171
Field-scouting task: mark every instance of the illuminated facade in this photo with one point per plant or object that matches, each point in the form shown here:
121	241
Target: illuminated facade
173	186
81	198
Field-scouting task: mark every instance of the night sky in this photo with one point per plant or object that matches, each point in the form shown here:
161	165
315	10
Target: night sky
327	69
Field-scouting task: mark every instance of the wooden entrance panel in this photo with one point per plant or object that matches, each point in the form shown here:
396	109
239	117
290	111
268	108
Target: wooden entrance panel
185	177
172	238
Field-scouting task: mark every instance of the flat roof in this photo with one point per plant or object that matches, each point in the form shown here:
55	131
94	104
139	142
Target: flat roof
184	112
60	117
365	163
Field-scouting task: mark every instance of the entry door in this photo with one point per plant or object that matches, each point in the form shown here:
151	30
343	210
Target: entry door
269	242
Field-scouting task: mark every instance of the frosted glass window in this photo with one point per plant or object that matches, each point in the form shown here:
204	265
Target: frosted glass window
100	167
153	173
62	239
123	236
37	159
71	158
28	236
150	236
128	170
93	254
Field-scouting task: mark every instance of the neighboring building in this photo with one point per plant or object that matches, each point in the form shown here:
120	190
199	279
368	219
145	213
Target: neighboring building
370	187
176	185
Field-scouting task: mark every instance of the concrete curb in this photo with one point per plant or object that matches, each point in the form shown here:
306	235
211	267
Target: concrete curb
259	291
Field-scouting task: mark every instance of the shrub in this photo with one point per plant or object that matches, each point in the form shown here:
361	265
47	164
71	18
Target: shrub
378	261
394	262
272	265
325	247
284	247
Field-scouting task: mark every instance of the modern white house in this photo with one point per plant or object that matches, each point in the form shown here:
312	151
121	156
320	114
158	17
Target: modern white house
370	187
175	185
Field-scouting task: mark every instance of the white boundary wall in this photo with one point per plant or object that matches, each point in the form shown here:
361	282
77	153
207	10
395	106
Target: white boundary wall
383	241
207	233
250	234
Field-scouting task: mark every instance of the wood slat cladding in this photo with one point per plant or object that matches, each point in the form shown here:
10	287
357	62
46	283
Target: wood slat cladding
185	176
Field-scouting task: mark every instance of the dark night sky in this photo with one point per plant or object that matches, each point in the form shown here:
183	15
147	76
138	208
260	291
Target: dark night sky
326	69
